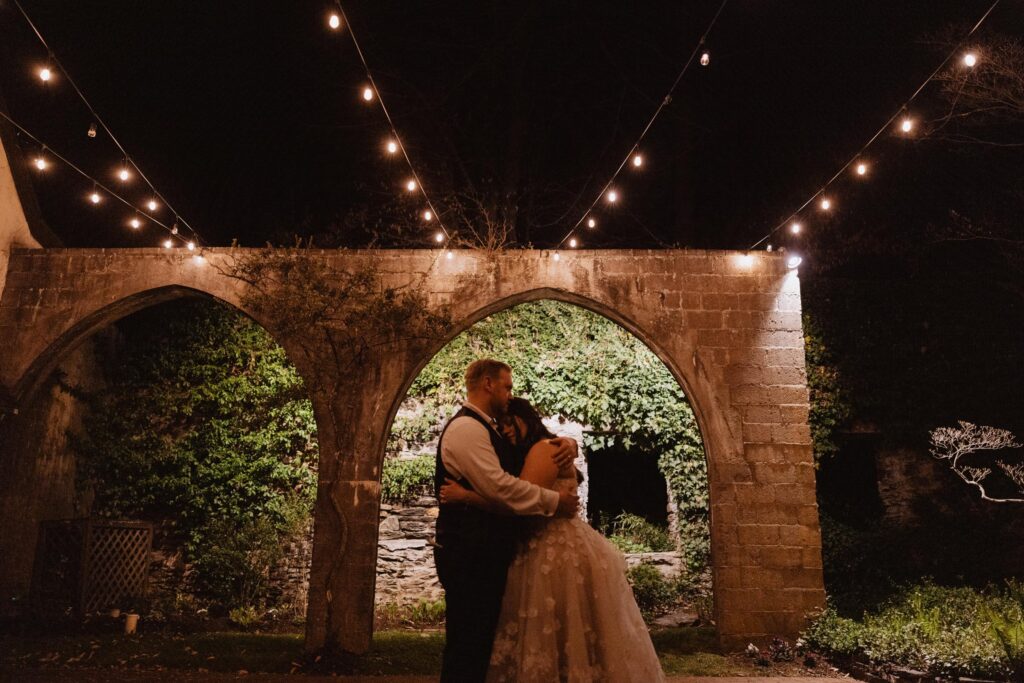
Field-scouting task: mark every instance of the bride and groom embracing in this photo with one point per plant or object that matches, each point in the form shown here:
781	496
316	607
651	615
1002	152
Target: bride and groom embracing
533	594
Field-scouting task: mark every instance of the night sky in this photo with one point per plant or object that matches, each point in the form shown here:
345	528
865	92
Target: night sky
248	118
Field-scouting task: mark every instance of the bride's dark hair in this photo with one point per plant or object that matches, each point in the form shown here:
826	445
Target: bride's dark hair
535	429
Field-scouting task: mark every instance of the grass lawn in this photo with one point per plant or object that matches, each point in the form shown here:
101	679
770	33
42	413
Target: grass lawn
683	651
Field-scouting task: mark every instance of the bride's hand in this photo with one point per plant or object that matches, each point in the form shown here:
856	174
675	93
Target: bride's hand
452	492
565	455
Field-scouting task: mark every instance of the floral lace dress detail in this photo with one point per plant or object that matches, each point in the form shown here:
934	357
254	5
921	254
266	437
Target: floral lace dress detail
569	613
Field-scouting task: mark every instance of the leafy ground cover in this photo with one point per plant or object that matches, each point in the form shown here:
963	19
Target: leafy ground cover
683	651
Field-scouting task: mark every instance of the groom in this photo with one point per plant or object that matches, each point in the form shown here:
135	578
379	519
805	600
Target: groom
474	548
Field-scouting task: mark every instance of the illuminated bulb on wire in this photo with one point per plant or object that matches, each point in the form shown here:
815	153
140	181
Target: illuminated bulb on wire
135	223
556	256
391	146
168	244
862	169
174	229
45	74
746	260
795	228
410	185
152	205
705	59
191	246
368	93
40	163
573	243
638	160
94	197
439	237
124	174
449	256
334	21
970	59
793	261
907	125
591	223
612	196
825	204
428	215
92	130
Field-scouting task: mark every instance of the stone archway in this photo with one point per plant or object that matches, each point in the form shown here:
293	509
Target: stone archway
726	324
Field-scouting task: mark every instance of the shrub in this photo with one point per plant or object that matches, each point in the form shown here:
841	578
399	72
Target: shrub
654	594
946	632
403	479
424	613
245	617
634	534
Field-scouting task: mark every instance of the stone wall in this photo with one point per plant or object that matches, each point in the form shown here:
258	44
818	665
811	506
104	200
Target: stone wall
405	558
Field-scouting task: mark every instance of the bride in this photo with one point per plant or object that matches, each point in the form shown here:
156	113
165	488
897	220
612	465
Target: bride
568	613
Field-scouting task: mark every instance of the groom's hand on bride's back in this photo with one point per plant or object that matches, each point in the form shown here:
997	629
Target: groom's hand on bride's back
568	504
565	453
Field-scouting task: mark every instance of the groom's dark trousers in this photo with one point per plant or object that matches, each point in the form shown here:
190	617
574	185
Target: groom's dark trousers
473	553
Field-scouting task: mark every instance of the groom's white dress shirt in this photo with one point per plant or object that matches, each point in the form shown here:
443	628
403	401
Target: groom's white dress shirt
467	454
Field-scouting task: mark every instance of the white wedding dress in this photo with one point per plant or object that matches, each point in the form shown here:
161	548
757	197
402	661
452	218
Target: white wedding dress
569	613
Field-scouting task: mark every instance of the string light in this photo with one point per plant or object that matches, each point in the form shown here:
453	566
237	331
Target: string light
612	196
591	223
439	237
95	197
168	244
191	246
746	260
862	168
391	147
970	59
449	255
45	74
124	174
334	21
368	94
795	228
573	243
174	228
556	256
40	162
638	160
410	185
152	205
907	124
92	130
793	261
428	215
705	59
825	204
135	223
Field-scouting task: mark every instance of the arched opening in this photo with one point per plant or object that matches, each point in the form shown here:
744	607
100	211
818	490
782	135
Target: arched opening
173	408
598	381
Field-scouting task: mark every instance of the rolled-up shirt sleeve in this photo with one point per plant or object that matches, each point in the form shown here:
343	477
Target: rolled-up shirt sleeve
467	453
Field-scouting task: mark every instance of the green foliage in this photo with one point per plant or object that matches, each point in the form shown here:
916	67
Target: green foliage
830	405
574	363
424	613
402	480
947	632
655	595
203	421
245	617
634	534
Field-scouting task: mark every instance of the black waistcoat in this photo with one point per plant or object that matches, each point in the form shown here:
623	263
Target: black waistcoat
462	525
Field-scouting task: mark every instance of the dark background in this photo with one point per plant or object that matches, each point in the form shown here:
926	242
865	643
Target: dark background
247	116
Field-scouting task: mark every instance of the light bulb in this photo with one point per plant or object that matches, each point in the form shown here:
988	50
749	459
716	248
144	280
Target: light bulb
168	244
368	93
152	205
768	248
124	174
191	246
556	256
135	223
793	261
174	228
907	125
862	169
40	163
573	243
410	185
638	160
334	21
705	59
428	215
746	260
45	74
439	237
612	196
92	130
795	228
391	146
591	223
970	59
449	256
94	197
825	204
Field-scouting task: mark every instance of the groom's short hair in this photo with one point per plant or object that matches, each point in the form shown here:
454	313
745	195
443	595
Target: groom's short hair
480	369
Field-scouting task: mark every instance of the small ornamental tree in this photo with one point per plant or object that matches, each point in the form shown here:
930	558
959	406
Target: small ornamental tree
954	444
